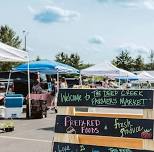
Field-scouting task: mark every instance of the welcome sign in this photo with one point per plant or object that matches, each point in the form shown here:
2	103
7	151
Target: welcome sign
141	99
103	126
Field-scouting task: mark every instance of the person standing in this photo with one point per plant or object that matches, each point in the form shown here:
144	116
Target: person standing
53	93
36	87
63	83
128	84
148	85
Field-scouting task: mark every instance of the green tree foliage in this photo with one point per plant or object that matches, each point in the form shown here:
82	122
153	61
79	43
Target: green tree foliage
124	60
38	58
151	56
139	63
62	57
150	65
8	36
73	60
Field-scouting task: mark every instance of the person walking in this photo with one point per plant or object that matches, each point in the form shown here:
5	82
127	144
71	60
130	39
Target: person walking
54	95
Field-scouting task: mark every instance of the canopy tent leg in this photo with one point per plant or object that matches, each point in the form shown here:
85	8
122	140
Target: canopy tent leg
93	80
127	79
58	82
8	83
80	79
119	82
29	100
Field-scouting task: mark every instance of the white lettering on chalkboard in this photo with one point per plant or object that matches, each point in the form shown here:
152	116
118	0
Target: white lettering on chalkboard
86	126
119	150
66	148
126	127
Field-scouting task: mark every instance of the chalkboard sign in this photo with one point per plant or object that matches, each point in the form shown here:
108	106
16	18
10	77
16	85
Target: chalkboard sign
141	99
103	126
67	147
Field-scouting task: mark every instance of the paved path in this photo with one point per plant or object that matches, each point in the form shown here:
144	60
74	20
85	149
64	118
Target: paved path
33	135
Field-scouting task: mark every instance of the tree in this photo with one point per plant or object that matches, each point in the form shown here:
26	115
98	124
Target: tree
139	63
151	57
73	60
38	58
62	57
124	60
9	37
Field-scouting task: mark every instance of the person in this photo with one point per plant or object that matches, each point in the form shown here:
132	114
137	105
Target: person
148	85
105	84
128	84
63	83
141	85
53	93
36	87
110	84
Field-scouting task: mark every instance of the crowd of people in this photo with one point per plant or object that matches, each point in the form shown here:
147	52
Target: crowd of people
111	83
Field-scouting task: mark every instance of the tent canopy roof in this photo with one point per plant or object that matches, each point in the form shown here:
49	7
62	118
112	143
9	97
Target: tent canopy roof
106	69
11	54
47	67
145	76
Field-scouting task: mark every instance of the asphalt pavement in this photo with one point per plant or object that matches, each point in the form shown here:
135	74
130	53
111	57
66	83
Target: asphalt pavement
33	135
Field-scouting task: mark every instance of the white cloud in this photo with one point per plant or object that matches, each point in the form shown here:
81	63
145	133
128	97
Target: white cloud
133	48
148	4
50	14
96	39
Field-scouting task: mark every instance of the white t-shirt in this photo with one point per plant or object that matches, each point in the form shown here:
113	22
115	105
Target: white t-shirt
129	85
63	85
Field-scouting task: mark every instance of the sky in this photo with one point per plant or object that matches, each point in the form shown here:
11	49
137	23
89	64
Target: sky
95	29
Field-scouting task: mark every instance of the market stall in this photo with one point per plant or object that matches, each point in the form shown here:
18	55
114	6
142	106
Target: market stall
107	69
10	54
46	67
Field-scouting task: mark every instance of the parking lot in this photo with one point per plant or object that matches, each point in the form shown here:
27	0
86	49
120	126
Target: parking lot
33	135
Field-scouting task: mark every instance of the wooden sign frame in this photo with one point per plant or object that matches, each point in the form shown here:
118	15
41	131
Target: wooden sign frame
131	143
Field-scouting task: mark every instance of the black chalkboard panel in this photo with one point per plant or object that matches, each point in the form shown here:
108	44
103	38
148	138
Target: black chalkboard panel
142	99
67	147
103	126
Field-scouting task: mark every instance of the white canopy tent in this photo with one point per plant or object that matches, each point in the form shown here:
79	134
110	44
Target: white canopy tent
145	76
11	54
106	69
